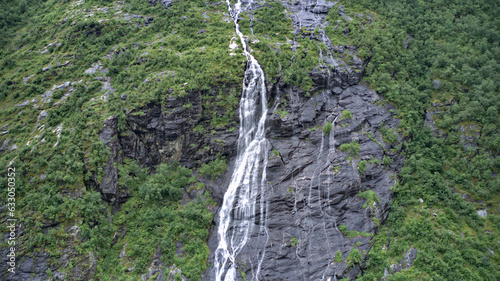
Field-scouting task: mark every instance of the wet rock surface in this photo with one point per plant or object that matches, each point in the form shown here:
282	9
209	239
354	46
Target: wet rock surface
310	15
313	181
313	185
315	177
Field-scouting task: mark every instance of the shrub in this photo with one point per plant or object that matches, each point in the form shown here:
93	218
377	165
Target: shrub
370	197
57	95
389	135
167	183
338	256
346	114
353	147
362	167
214	168
327	128
354	257
282	113
343	229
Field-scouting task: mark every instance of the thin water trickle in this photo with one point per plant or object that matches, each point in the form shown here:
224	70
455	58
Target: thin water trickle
332	138
237	216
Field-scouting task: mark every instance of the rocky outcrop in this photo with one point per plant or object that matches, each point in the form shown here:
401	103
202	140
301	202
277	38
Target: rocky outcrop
307	17
314	183
164	3
407	262
26	266
109	186
161	134
328	187
317	179
328	190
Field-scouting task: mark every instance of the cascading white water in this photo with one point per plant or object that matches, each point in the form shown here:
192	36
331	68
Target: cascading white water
237	216
332	138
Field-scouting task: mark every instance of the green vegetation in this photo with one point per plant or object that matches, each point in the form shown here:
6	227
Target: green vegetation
243	275
352	147
327	128
336	169
95	47
338	256
387	160
352	233
346	114
370	196
273	29
282	113
389	135
167	183
155	218
354	257
439	56
214	168
362	167
293	242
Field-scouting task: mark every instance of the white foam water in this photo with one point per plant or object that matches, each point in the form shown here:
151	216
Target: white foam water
242	203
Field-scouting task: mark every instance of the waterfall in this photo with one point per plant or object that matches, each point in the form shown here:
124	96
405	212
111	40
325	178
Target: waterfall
242	203
332	138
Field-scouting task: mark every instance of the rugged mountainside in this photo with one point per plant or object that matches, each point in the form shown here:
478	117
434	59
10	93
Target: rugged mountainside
318	178
121	120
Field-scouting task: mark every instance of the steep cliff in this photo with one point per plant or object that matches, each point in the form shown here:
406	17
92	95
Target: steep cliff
121	120
328	186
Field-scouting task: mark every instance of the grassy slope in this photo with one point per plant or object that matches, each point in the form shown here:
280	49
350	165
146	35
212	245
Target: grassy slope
50	33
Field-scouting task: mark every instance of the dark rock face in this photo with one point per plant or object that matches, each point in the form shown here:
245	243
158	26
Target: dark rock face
313	181
165	134
109	184
315	177
314	185
162	134
25	267
314	189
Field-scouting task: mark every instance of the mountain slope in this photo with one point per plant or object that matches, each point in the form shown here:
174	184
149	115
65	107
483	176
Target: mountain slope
121	121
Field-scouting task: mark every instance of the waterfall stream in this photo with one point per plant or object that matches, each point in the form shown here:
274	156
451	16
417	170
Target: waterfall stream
244	207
